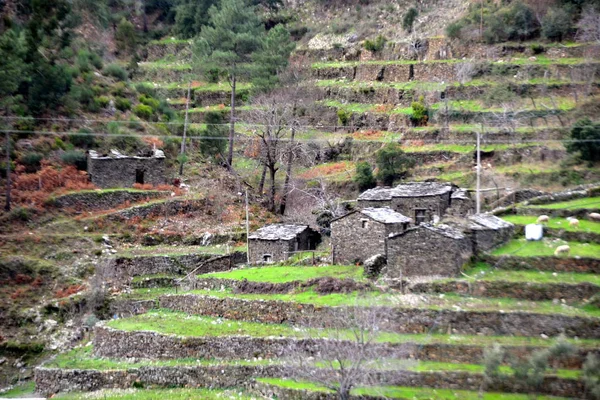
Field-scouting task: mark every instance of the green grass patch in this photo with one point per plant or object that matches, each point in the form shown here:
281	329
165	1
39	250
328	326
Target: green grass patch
284	274
171	40
485	272
26	389
185	325
154	394
164	64
545	247
151	251
586	202
556	223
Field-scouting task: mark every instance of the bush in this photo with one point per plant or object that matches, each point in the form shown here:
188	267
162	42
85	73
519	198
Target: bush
31	160
102	101
537	48
344	116
392	163
376	45
116	71
591	375
122	104
214	141
556	24
125	37
83	138
454	29
143	111
364	176
145	89
409	19
150	102
586	136
420	113
76	158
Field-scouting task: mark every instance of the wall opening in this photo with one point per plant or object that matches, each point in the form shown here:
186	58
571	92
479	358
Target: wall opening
420	216
139	176
411	72
267	258
364	224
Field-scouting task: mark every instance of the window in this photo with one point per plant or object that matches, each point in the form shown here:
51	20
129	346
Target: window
139	176
267	258
365	224
420	216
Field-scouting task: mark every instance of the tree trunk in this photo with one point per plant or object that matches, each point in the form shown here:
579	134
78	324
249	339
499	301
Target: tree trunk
185	124
231	124
8	183
272	171
288	173
261	185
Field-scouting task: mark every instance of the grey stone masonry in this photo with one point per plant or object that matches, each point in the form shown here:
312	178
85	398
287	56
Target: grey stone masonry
361	234
118	170
277	242
427	250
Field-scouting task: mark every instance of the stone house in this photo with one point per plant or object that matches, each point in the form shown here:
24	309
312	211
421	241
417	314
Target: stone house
362	233
277	242
118	170
427	250
420	201
487	231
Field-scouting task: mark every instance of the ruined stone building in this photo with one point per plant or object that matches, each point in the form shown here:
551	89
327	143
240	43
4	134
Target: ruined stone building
420	201
362	233
117	170
277	242
427	250
485	231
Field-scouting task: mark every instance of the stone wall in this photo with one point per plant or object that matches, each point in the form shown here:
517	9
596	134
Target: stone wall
404	320
278	250
120	344
433	205
423	252
159	208
352	243
552	264
487	239
121	172
103	200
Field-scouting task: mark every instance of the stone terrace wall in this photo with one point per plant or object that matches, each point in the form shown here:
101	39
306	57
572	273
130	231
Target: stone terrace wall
103	200
553	264
113	343
160	208
403	320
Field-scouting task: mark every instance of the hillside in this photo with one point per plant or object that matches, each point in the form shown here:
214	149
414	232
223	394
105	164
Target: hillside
144	291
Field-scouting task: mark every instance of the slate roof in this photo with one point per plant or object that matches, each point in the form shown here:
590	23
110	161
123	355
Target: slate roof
488	221
460	194
117	154
385	215
409	189
278	232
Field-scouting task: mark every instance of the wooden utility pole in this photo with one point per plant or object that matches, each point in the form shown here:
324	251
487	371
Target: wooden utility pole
247	230
185	124
8	183
478	187
288	173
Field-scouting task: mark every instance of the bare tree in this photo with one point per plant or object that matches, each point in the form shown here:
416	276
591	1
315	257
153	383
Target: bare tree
465	71
588	27
350	355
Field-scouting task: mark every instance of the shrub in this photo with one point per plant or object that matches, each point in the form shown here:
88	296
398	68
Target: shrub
537	48
31	160
376	45
102	101
392	163
556	24
116	71
454	29
586	140
122	104
364	176
409	19
149	101
125	37
145	89
143	111
420	113
83	138
344	116
76	158
591	375
214	141
95	60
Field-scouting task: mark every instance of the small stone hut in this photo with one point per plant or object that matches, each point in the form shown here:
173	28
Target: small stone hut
488	231
461	204
427	250
118	170
277	242
362	233
420	201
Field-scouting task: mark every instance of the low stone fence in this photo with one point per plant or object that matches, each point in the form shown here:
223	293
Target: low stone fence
104	199
113	343
402	320
322	285
569	293
53	380
160	208
128	308
576	236
580	213
547	263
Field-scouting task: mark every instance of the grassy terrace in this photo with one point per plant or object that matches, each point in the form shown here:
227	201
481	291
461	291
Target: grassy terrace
428	302
545	247
556	223
149	251
218	108
199	86
164	64
412	393
283	274
154	394
185	325
586	202
540	60
485	272
82	358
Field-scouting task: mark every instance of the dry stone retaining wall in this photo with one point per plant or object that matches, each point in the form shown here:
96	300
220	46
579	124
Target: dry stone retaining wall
103	200
403	320
552	264
160	208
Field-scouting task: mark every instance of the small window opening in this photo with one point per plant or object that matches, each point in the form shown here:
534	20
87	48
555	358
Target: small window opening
365	224
139	176
267	258
420	216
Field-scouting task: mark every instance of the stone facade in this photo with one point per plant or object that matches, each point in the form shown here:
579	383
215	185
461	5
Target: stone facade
276	243
117	170
488	231
359	235
427	250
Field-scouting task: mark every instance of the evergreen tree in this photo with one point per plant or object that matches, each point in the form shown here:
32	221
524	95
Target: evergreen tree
234	33
191	15
392	163
272	58
364	176
214	139
586	140
12	67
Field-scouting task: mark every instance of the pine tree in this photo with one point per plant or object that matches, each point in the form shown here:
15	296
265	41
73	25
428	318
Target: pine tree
272	58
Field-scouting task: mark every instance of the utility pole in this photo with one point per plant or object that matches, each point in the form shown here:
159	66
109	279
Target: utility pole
247	230
185	124
8	183
478	188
